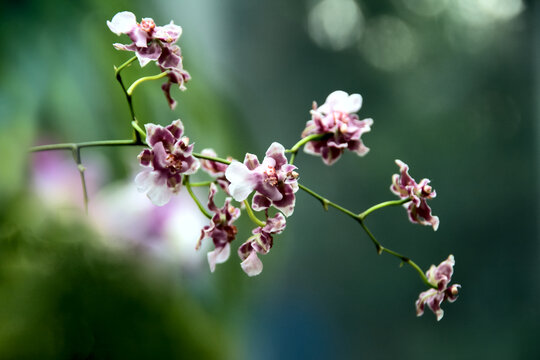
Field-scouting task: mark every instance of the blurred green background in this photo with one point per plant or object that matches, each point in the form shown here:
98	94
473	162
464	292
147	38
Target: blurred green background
452	87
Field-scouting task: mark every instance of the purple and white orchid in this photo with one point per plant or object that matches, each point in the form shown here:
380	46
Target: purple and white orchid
221	230
440	277
169	156
404	186
274	181
337	119
153	43
260	243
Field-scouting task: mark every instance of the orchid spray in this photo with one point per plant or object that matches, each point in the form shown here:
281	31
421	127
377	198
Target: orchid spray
168	158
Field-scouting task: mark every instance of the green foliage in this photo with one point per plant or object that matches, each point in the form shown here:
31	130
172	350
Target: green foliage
64	295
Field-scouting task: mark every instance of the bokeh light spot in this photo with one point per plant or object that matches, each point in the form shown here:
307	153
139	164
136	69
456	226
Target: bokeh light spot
335	24
389	44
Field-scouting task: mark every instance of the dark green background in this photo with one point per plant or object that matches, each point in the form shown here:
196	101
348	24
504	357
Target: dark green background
461	109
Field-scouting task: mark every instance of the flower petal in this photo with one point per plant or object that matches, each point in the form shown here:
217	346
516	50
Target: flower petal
252	265
218	256
122	23
333	100
243	180
277	152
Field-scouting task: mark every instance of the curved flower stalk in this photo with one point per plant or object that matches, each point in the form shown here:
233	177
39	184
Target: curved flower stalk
439	277
404	186
337	119
260	243
153	43
274	181
167	159
221	230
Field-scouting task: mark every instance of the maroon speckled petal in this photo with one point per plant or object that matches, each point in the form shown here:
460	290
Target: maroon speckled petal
260	202
157	133
277	152
251	161
147	54
286	204
145	157
159	161
176	128
211	193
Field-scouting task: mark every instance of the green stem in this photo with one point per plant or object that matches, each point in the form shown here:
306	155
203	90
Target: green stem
143	79
293	156
302	142
188	187
380	249
325	202
117	70
201	184
71	146
77	157
252	215
136	134
139	130
216	159
363	215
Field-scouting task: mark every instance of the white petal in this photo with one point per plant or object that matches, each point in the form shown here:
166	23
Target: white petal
242	180
351	104
144	180
218	256
252	265
122	22
154	185
332	101
159	194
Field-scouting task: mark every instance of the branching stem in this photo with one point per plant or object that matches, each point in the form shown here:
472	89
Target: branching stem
360	219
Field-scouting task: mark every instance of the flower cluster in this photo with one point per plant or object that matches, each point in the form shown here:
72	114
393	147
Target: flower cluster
440	278
153	43
404	186
334	127
338	125
221	230
274	181
167	159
